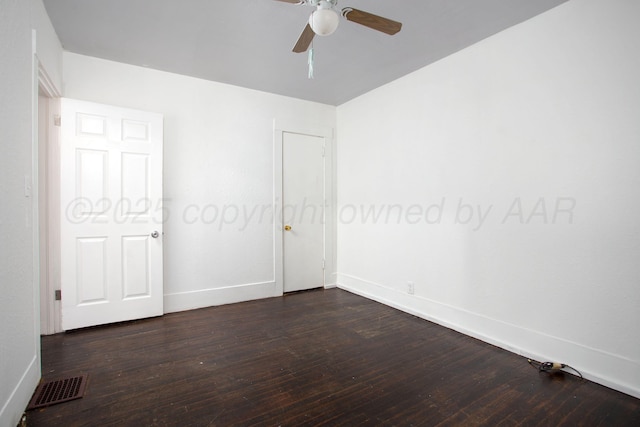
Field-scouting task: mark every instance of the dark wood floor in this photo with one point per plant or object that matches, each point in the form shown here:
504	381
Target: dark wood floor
314	358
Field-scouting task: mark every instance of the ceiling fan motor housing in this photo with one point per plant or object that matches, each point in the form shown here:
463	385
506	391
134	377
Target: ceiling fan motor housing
321	3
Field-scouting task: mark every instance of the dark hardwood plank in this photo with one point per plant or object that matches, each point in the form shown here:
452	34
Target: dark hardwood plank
315	358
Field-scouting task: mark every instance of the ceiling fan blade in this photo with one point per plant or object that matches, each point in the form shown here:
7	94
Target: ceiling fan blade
304	40
291	1
370	20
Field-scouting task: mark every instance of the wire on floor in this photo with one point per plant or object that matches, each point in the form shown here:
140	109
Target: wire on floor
552	366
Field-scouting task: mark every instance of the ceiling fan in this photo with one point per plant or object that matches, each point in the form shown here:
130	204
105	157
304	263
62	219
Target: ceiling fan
324	21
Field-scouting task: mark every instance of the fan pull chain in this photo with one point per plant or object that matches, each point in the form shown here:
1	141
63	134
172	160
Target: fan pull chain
310	61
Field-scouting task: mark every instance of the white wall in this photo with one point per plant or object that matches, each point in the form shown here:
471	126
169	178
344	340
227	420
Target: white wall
48	47
218	173
19	304
515	168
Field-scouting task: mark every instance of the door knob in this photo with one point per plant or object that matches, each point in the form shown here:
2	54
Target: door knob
155	234
287	228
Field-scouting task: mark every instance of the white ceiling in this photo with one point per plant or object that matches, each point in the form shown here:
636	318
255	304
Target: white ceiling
248	42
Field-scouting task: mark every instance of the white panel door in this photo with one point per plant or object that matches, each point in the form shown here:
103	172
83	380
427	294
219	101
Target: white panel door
303	211
111	214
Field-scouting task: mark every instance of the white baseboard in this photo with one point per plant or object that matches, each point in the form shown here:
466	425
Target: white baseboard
20	396
218	296
610	370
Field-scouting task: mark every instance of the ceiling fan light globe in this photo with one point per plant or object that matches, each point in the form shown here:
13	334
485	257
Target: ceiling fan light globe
324	22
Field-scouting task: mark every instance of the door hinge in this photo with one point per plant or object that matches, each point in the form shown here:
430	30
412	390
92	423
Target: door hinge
58	295
57	120
323	150
323	264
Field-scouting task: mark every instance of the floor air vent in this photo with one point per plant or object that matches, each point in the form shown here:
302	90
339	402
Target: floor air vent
58	391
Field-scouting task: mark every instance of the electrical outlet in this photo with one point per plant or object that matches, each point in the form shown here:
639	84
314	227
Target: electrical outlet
411	288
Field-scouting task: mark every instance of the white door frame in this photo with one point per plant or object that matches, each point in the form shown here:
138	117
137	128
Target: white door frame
49	236
279	129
